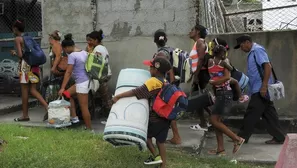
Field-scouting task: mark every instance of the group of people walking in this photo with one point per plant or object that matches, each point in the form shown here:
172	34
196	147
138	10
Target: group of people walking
63	52
209	66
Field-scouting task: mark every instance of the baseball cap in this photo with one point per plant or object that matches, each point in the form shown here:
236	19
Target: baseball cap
242	39
160	63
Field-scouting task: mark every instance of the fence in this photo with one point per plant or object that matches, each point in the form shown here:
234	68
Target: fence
29	10
248	15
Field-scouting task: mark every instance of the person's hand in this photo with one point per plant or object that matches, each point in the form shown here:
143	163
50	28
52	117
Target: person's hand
115	99
196	79
211	82
13	52
263	91
53	69
61	92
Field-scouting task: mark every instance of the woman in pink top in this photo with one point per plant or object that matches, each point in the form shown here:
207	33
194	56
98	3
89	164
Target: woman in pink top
29	75
220	79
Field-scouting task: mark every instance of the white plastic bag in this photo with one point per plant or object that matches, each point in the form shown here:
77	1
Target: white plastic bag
59	113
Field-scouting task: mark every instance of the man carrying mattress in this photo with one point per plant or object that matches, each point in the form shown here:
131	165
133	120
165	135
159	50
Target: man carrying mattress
158	127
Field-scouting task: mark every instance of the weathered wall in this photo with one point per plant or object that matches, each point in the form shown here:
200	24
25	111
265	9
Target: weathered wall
122	18
129	25
281	47
67	16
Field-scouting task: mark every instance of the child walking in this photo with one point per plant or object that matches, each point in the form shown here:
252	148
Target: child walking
158	127
220	79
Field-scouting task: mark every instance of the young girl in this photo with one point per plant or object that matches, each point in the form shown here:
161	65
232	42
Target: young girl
237	88
29	75
220	79
76	67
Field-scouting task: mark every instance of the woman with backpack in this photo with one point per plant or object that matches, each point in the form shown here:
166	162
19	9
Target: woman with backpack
76	68
238	83
160	38
96	46
29	75
220	80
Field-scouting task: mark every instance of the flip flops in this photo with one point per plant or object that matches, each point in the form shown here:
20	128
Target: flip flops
218	153
237	145
197	128
21	119
244	99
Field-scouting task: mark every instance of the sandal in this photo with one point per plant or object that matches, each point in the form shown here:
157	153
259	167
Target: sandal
237	145
172	142
274	142
197	128
45	117
218	153
21	119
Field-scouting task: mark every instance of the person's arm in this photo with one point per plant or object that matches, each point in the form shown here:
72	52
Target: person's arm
267	73
57	50
263	60
226	77
67	76
171	75
140	92
18	44
227	65
200	46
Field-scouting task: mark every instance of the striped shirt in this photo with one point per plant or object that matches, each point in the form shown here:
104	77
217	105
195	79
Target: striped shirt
195	57
149	91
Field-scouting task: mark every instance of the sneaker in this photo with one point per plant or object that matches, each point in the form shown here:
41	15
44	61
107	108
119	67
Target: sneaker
74	120
151	160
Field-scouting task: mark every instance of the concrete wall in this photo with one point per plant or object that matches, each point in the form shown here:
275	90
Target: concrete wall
281	47
67	16
122	18
129	25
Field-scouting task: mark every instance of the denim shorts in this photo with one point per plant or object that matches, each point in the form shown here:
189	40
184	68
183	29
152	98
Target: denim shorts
223	99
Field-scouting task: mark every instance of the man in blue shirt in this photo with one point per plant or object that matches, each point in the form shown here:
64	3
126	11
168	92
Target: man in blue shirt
259	105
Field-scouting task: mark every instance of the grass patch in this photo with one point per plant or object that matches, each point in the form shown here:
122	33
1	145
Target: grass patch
79	149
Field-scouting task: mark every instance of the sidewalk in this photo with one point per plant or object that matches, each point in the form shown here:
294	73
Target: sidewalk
192	141
9	103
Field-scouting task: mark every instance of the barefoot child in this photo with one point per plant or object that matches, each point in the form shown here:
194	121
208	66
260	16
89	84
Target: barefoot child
220	79
158	127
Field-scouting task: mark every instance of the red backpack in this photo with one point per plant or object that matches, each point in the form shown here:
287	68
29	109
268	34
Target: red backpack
171	102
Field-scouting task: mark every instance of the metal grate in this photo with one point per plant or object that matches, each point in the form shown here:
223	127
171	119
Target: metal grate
11	10
261	15
249	15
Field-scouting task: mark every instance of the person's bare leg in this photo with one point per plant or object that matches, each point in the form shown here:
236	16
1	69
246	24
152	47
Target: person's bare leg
83	103
223	128
38	96
150	146
220	138
176	137
162	152
72	91
25	99
202	118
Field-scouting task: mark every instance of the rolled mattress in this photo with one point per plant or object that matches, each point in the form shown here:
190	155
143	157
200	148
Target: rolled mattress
128	119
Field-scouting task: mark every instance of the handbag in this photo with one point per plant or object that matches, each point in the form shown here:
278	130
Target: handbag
276	90
59	113
62	66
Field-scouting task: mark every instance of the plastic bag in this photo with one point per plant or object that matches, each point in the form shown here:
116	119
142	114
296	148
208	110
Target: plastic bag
59	113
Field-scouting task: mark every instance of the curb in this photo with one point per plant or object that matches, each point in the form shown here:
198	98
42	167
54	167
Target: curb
14	108
258	162
288	124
